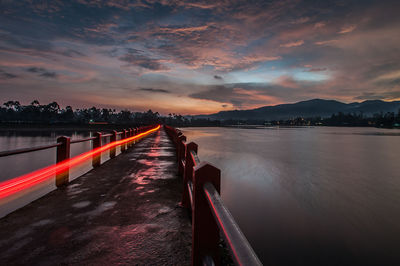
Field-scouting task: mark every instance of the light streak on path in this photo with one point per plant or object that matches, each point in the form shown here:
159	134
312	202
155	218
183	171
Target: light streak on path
23	182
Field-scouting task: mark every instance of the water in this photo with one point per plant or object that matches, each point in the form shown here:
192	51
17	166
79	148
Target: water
310	196
302	196
17	165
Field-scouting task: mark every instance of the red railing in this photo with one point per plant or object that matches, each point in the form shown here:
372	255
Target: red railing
201	194
63	161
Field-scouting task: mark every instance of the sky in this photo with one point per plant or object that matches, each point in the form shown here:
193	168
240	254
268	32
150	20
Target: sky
198	57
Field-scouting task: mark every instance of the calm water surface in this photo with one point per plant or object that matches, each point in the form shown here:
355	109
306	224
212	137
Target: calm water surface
302	196
311	196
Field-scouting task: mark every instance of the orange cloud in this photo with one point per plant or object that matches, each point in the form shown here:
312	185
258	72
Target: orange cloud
292	44
326	42
347	29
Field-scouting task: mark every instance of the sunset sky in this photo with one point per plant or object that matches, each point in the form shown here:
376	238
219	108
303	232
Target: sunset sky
200	56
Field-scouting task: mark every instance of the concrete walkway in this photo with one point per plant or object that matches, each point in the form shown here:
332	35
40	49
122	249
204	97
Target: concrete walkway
123	212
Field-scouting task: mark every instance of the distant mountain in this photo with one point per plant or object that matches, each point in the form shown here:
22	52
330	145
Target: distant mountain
310	108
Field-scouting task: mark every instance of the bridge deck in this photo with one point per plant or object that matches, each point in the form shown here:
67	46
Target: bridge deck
123	212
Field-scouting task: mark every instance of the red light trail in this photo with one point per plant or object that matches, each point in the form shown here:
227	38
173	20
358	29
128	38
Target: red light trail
23	182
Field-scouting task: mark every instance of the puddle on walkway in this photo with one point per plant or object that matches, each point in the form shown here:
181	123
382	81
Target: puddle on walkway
42	222
81	204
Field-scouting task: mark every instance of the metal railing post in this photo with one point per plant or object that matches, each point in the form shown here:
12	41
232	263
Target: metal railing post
123	136
130	135
96	160
63	153
205	231
181	147
188	173
135	132
112	139
176	142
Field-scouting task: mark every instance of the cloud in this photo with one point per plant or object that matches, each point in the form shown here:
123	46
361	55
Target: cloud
245	95
42	72
326	42
292	44
154	90
319	25
316	69
36	69
387	95
347	29
137	58
6	75
72	53
49	74
217	77
301	20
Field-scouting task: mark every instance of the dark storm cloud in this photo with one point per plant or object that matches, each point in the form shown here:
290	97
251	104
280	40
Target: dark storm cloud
154	90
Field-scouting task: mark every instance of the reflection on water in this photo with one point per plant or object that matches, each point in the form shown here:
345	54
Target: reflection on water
319	196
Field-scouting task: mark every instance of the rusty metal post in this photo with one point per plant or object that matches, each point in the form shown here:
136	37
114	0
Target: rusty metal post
113	138
205	231
123	136
96	160
63	153
188	173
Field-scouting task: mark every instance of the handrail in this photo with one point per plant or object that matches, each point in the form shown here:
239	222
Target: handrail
201	185
44	147
64	162
190	190
26	150
241	251
195	158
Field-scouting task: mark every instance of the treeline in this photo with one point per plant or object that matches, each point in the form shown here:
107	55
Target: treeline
51	114
385	120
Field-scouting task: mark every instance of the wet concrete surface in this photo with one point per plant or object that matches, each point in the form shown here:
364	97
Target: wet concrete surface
124	212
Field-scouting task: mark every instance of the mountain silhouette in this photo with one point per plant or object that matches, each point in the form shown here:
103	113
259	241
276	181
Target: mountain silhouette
310	108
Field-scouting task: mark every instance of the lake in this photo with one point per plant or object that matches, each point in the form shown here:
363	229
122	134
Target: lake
310	196
302	196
